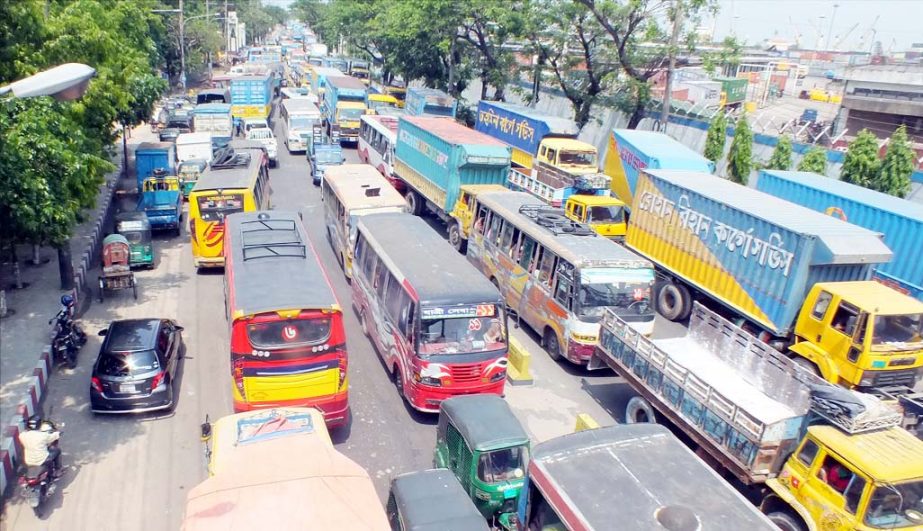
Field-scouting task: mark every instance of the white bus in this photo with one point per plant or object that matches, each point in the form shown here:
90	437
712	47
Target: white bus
298	117
377	137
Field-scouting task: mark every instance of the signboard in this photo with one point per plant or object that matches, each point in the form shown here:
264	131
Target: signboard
451	312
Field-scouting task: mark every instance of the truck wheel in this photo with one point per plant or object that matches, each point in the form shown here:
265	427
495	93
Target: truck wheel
785	521
807	365
639	411
455	237
415	202
674	301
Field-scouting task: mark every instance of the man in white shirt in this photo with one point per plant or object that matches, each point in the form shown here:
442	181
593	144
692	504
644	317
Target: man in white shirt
36	444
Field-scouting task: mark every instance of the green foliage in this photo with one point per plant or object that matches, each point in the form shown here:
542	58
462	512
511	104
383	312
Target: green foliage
861	164
716	137
715	62
781	158
740	156
894	176
815	160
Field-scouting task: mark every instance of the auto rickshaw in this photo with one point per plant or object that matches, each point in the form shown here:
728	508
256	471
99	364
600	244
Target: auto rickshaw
116	271
188	173
137	230
431	499
480	440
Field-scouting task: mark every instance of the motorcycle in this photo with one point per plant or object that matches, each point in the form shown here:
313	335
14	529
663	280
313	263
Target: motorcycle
64	349
64	324
37	482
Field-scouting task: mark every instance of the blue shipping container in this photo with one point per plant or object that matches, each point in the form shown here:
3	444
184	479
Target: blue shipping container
152	155
251	90
900	221
431	102
754	253
521	127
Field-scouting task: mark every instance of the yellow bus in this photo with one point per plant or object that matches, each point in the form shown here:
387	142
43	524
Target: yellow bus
238	185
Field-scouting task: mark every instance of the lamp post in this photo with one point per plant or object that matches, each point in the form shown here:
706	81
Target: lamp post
64	82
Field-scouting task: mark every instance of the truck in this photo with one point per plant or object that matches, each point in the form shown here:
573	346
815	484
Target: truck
359	69
798	279
319	77
161	199
345	101
733	91
251	97
900	221
811	455
435	157
550	163
631	151
422	101
191	146
150	156
214	118
636	476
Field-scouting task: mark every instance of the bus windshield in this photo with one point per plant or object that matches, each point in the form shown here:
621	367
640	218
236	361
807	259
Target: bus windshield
216	207
300	122
448	334
627	291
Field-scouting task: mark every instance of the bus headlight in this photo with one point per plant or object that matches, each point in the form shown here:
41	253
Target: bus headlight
427	380
583	338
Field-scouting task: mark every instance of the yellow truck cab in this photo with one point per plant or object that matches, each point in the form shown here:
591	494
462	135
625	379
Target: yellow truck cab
379	101
567	154
838	481
861	334
463	213
604	214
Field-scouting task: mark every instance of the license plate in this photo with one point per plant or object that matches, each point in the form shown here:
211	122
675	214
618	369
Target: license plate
127	388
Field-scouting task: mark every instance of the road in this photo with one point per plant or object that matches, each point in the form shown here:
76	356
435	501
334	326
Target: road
133	472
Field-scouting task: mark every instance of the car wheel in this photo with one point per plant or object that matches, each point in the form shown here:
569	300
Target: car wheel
550	342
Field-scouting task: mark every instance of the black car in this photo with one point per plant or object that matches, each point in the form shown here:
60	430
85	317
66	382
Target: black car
137	365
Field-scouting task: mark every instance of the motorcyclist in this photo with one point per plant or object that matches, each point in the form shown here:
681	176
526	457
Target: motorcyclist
68	306
38	445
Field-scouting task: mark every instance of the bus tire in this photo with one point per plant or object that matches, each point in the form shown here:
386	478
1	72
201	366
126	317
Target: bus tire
785	521
639	411
674	301
399	382
455	237
364	323
415	202
550	342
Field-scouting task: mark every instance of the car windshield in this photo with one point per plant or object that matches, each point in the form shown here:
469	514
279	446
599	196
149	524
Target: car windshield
289	333
128	364
327	157
606	214
351	114
577	158
259	134
627	291
896	506
897	332
503	465
216	207
458	335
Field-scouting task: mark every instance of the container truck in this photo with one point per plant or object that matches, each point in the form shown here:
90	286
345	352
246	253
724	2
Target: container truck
150	156
319	77
251	97
810	454
192	146
345	101
435	157
796	278
551	164
631	151
214	118
429	102
900	221
733	91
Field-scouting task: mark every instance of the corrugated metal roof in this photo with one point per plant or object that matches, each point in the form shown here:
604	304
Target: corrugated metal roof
346	82
451	131
853	192
843	239
662	147
556	124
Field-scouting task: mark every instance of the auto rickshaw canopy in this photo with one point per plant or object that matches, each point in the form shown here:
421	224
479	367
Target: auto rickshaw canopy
486	422
434	500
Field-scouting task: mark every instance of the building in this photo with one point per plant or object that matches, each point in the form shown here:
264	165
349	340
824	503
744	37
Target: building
880	98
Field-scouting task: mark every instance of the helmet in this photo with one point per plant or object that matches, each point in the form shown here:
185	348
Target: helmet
67	300
34	422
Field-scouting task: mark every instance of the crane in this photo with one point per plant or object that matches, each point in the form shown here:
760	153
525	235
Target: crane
868	38
845	36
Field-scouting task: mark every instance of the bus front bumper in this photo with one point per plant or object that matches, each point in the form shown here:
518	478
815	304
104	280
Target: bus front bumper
426	398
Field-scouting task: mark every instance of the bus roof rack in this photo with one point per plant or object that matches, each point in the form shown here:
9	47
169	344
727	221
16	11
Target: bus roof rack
265	237
554	220
226	157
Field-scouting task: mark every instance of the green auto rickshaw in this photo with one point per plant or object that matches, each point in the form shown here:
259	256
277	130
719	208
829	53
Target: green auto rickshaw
480	440
188	173
136	228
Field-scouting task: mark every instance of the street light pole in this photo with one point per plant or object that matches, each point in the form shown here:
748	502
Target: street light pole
182	48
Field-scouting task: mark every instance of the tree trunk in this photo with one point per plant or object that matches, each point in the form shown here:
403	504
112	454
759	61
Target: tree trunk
65	266
36	256
17	273
483	86
500	94
636	116
581	112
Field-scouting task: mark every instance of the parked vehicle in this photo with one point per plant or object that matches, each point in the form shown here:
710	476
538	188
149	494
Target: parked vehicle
188	172
65	323
150	156
136	229
482	442
431	499
278	469
215	118
345	101
775	427
136	370
265	136
733	91
794	277
421	101
899	220
64	350
322	156
650	481
38	482
116	272
162	201
632	151
251	96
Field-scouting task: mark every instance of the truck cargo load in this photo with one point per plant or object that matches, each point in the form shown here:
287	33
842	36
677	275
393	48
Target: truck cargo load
632	151
429	102
522	128
214	118
755	254
251	97
436	156
900	221
152	155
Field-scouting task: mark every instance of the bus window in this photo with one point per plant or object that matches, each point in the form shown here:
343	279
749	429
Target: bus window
562	293
508	239
546	267
527	250
482	219
493	233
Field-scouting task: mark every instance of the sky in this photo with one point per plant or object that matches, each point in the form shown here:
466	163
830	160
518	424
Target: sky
755	20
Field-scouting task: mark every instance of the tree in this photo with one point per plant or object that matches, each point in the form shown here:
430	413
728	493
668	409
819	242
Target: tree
815	160
894	176
781	158
716	137
860	166
740	156
486	27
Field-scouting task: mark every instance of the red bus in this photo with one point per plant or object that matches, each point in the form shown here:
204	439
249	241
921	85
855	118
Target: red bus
437	323
288	343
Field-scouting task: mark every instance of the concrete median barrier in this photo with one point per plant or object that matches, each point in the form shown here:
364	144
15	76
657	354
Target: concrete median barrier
518	372
585	422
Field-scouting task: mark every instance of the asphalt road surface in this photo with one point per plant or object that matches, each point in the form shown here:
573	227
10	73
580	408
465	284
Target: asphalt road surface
133	472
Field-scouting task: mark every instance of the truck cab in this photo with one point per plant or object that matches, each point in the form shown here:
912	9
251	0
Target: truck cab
861	335
865	481
569	155
603	213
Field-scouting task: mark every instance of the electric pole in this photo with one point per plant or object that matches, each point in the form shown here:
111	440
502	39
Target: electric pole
182	48
674	39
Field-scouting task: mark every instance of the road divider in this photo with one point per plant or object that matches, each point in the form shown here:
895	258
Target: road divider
517	372
585	422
